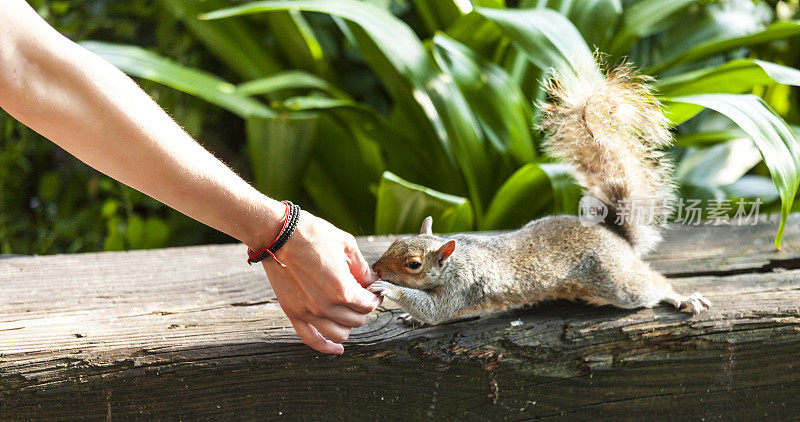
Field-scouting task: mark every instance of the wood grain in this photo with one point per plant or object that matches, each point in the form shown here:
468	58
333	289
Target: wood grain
194	333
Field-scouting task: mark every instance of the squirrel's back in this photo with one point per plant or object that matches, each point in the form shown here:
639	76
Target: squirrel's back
611	129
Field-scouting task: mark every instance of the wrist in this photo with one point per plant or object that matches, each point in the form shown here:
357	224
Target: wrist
264	223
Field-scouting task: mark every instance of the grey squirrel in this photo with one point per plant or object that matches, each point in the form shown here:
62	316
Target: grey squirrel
610	128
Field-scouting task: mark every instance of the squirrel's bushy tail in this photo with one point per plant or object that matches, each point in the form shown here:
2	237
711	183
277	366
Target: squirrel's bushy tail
610	127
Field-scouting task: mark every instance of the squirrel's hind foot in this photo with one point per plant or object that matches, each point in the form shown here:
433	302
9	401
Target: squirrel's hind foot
694	303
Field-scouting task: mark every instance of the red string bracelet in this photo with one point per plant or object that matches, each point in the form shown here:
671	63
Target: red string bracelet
290	217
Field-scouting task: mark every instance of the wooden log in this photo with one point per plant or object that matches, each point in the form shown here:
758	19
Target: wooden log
193	333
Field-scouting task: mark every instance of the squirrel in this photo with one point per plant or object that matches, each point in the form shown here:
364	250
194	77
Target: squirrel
611	129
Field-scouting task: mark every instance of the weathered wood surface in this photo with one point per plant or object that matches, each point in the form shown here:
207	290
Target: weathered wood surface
195	333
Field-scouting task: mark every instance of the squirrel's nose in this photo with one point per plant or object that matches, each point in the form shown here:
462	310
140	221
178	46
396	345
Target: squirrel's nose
376	268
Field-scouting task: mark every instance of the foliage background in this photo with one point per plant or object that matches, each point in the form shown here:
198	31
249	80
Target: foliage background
51	203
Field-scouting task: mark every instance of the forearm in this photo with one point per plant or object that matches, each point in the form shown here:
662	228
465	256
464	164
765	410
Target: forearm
95	112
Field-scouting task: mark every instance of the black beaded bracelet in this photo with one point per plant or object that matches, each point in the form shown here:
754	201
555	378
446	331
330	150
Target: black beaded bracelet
290	219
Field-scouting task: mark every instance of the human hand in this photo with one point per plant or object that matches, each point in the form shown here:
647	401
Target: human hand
322	289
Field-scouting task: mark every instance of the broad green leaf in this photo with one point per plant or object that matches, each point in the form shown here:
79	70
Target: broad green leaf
533	191
440	14
778	146
734	77
547	37
403	205
360	121
438	119
479	34
231	41
135	232
719	165
331	199
502	110
343	170
141	63
157	233
297	41
595	19
643	18
293	79
776	31
678	112
752	187
279	148
702	139
705	23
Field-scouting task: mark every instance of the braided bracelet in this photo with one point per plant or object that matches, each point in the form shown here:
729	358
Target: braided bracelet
290	218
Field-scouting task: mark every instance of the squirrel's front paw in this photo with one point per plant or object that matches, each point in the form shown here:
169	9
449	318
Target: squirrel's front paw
409	321
695	304
384	289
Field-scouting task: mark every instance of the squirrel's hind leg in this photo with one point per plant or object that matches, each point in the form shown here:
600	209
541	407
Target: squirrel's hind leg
638	286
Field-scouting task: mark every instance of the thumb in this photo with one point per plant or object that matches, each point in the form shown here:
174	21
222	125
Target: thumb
359	268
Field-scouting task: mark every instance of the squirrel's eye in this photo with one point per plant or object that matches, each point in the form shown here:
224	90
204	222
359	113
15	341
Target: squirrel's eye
414	265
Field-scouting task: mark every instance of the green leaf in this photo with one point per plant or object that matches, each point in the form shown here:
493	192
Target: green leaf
346	162
49	186
776	31
737	76
114	242
231	41
331	199
533	191
718	165
135	232
440	14
643	18
479	34
297	41
678	112
293	79
403	205
437	118
157	233
701	139
595	19
312	102
778	146
503	112
547	37
279	149
141	63
752	187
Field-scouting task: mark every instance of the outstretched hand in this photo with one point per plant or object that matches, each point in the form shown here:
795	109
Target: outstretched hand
322	289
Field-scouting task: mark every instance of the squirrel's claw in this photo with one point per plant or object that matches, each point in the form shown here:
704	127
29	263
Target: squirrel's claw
695	304
383	289
409	321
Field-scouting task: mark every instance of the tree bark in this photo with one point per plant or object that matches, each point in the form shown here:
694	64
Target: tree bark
192	333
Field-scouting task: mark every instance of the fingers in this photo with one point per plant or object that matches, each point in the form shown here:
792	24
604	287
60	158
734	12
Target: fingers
313	339
359	267
332	331
347	317
360	299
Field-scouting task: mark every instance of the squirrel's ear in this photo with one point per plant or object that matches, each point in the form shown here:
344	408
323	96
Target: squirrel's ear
445	251
427	224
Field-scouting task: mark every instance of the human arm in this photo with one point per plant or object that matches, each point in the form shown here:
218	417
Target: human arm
92	110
